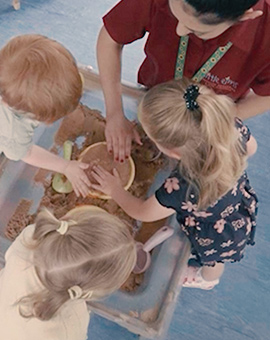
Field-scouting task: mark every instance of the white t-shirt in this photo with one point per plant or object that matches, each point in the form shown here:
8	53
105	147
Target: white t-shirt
18	279
16	132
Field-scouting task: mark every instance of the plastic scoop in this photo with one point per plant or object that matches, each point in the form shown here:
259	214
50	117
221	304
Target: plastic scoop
143	250
60	183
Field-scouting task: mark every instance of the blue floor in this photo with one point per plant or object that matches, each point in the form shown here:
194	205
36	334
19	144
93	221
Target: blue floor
239	308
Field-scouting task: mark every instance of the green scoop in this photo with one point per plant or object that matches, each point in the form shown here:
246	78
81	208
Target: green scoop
60	183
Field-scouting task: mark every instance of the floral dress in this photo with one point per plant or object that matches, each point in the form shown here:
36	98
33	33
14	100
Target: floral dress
221	232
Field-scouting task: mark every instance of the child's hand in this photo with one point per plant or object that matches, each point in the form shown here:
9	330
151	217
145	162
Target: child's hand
107	183
78	178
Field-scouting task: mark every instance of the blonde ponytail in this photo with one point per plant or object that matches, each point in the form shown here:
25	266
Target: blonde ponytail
92	258
224	160
212	158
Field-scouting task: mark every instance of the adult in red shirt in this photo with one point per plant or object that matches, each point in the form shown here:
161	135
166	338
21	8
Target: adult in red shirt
209	24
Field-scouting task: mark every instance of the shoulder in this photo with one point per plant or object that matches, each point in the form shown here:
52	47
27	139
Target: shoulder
136	9
263	24
24	122
143	4
6	118
128	20
264	6
173	191
15	124
16	133
253	34
69	323
19	247
75	319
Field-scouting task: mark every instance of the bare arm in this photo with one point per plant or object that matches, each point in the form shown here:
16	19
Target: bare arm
109	55
252	105
144	210
119	131
73	170
251	146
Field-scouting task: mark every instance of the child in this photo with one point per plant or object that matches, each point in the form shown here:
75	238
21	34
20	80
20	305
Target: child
55	266
209	189
39	82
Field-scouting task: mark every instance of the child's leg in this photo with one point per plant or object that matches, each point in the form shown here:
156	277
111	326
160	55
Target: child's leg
16	4
212	273
205	277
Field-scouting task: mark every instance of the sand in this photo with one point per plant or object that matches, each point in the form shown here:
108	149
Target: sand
90	124
20	219
97	154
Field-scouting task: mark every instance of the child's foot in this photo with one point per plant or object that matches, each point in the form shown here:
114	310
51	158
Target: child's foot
199	282
16	4
191	273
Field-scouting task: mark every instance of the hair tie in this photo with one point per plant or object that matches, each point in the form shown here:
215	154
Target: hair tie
63	227
191	94
75	292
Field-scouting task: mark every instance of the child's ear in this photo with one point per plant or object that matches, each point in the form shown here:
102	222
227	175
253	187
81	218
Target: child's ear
250	14
174	153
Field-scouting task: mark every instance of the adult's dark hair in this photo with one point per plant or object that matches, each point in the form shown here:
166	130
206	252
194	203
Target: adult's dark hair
213	12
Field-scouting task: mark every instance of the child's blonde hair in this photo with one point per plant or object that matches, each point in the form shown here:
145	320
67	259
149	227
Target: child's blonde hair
40	76
212	157
96	253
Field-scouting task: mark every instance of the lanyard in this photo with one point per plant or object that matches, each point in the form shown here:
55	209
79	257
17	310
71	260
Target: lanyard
207	66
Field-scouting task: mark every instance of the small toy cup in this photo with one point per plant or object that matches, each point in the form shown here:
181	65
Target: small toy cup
143	250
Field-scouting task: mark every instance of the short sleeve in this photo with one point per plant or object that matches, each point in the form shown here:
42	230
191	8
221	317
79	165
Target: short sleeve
173	192
243	130
16	134
260	60
16	150
128	20
18	247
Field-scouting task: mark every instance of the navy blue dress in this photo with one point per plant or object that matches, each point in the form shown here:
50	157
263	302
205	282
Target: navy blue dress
221	232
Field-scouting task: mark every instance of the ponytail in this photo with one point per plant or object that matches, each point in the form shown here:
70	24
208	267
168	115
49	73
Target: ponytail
44	305
77	257
223	160
202	126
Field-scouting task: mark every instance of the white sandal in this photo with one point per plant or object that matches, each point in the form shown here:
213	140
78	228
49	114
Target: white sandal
199	282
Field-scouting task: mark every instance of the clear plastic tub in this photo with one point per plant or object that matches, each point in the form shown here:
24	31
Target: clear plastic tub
146	311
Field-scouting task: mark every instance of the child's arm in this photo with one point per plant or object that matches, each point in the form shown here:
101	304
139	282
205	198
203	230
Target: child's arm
251	146
73	170
146	211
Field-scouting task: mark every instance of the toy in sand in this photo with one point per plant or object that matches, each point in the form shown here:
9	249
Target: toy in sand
97	154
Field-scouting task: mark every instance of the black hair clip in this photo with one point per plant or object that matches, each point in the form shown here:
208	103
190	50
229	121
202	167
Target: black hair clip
191	94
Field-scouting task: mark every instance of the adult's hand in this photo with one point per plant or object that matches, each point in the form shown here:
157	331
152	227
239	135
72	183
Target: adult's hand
119	134
119	131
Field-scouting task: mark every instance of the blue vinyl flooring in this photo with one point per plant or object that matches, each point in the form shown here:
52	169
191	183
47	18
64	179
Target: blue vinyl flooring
237	309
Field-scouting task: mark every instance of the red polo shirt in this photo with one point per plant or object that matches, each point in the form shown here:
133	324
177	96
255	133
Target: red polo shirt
246	65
